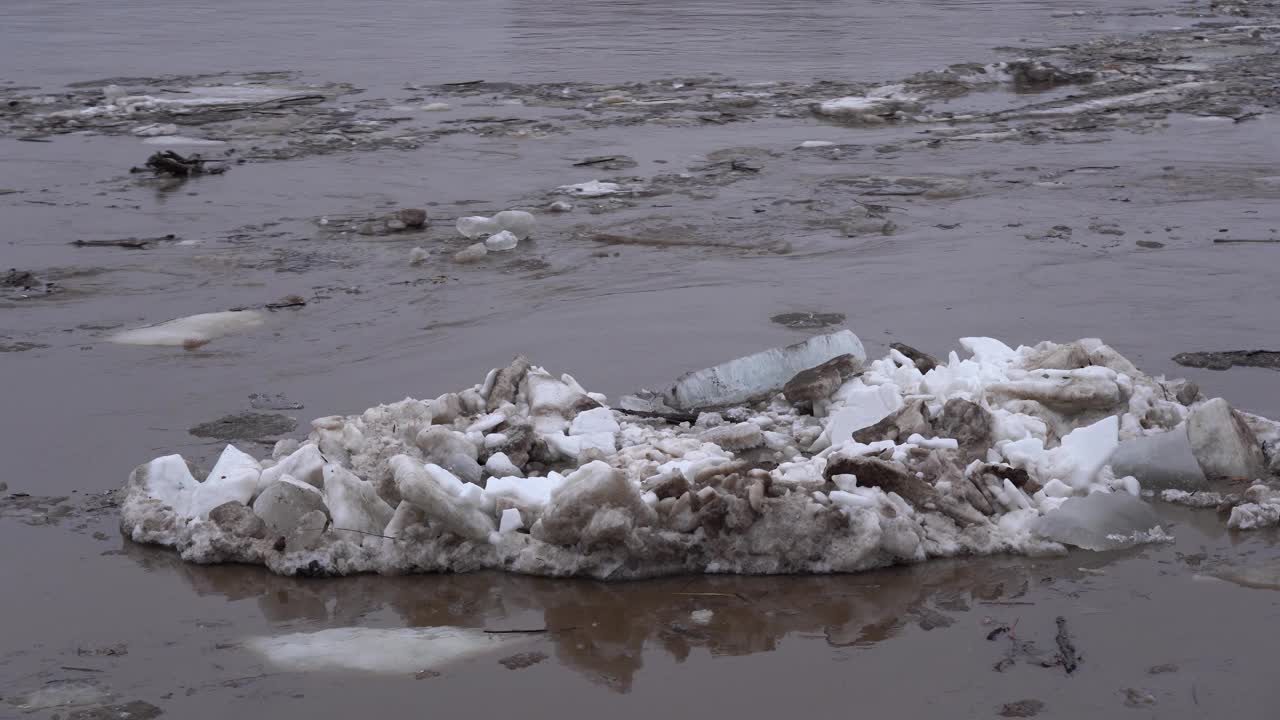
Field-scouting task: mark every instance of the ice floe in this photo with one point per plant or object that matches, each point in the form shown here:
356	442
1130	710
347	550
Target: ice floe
803	459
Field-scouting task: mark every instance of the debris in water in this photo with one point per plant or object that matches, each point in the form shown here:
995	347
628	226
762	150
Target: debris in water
272	401
1067	655
1021	709
288	301
1227	359
808	320
130	243
168	162
246	426
520	661
1135	698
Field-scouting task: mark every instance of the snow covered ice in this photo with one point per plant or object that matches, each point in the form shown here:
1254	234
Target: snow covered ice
193	330
803	459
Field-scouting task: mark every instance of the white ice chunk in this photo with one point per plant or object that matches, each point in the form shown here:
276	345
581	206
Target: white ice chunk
596	420
284	503
510	522
353	503
1101	521
591	189
477	226
1223	443
1085	450
502	240
533	491
234	477
305	464
702	617
933	443
809	144
499	465
863	407
989	350
168	480
422	487
180	140
191	331
517	222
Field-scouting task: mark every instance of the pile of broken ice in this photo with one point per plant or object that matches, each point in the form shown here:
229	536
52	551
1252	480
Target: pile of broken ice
804	459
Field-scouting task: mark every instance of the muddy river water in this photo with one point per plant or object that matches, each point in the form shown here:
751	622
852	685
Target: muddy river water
1121	184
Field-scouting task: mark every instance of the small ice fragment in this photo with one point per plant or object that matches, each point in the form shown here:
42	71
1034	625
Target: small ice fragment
1101	521
234	477
596	420
1084	451
933	443
417	256
477	226
560	206
191	331
504	240
353	503
283	504
155	130
499	465
435	107
510	522
702	617
180	140
809	144
615	99
595	188
471	253
168	480
517	222
759	374
863	408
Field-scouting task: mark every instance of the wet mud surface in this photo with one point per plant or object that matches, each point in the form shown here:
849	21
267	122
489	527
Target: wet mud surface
1106	174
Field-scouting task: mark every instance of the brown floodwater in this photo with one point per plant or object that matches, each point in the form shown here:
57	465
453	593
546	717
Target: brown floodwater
710	264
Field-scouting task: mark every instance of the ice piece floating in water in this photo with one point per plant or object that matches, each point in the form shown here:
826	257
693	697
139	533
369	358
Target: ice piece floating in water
378	650
1101	521
180	140
191	331
503	240
518	224
591	189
